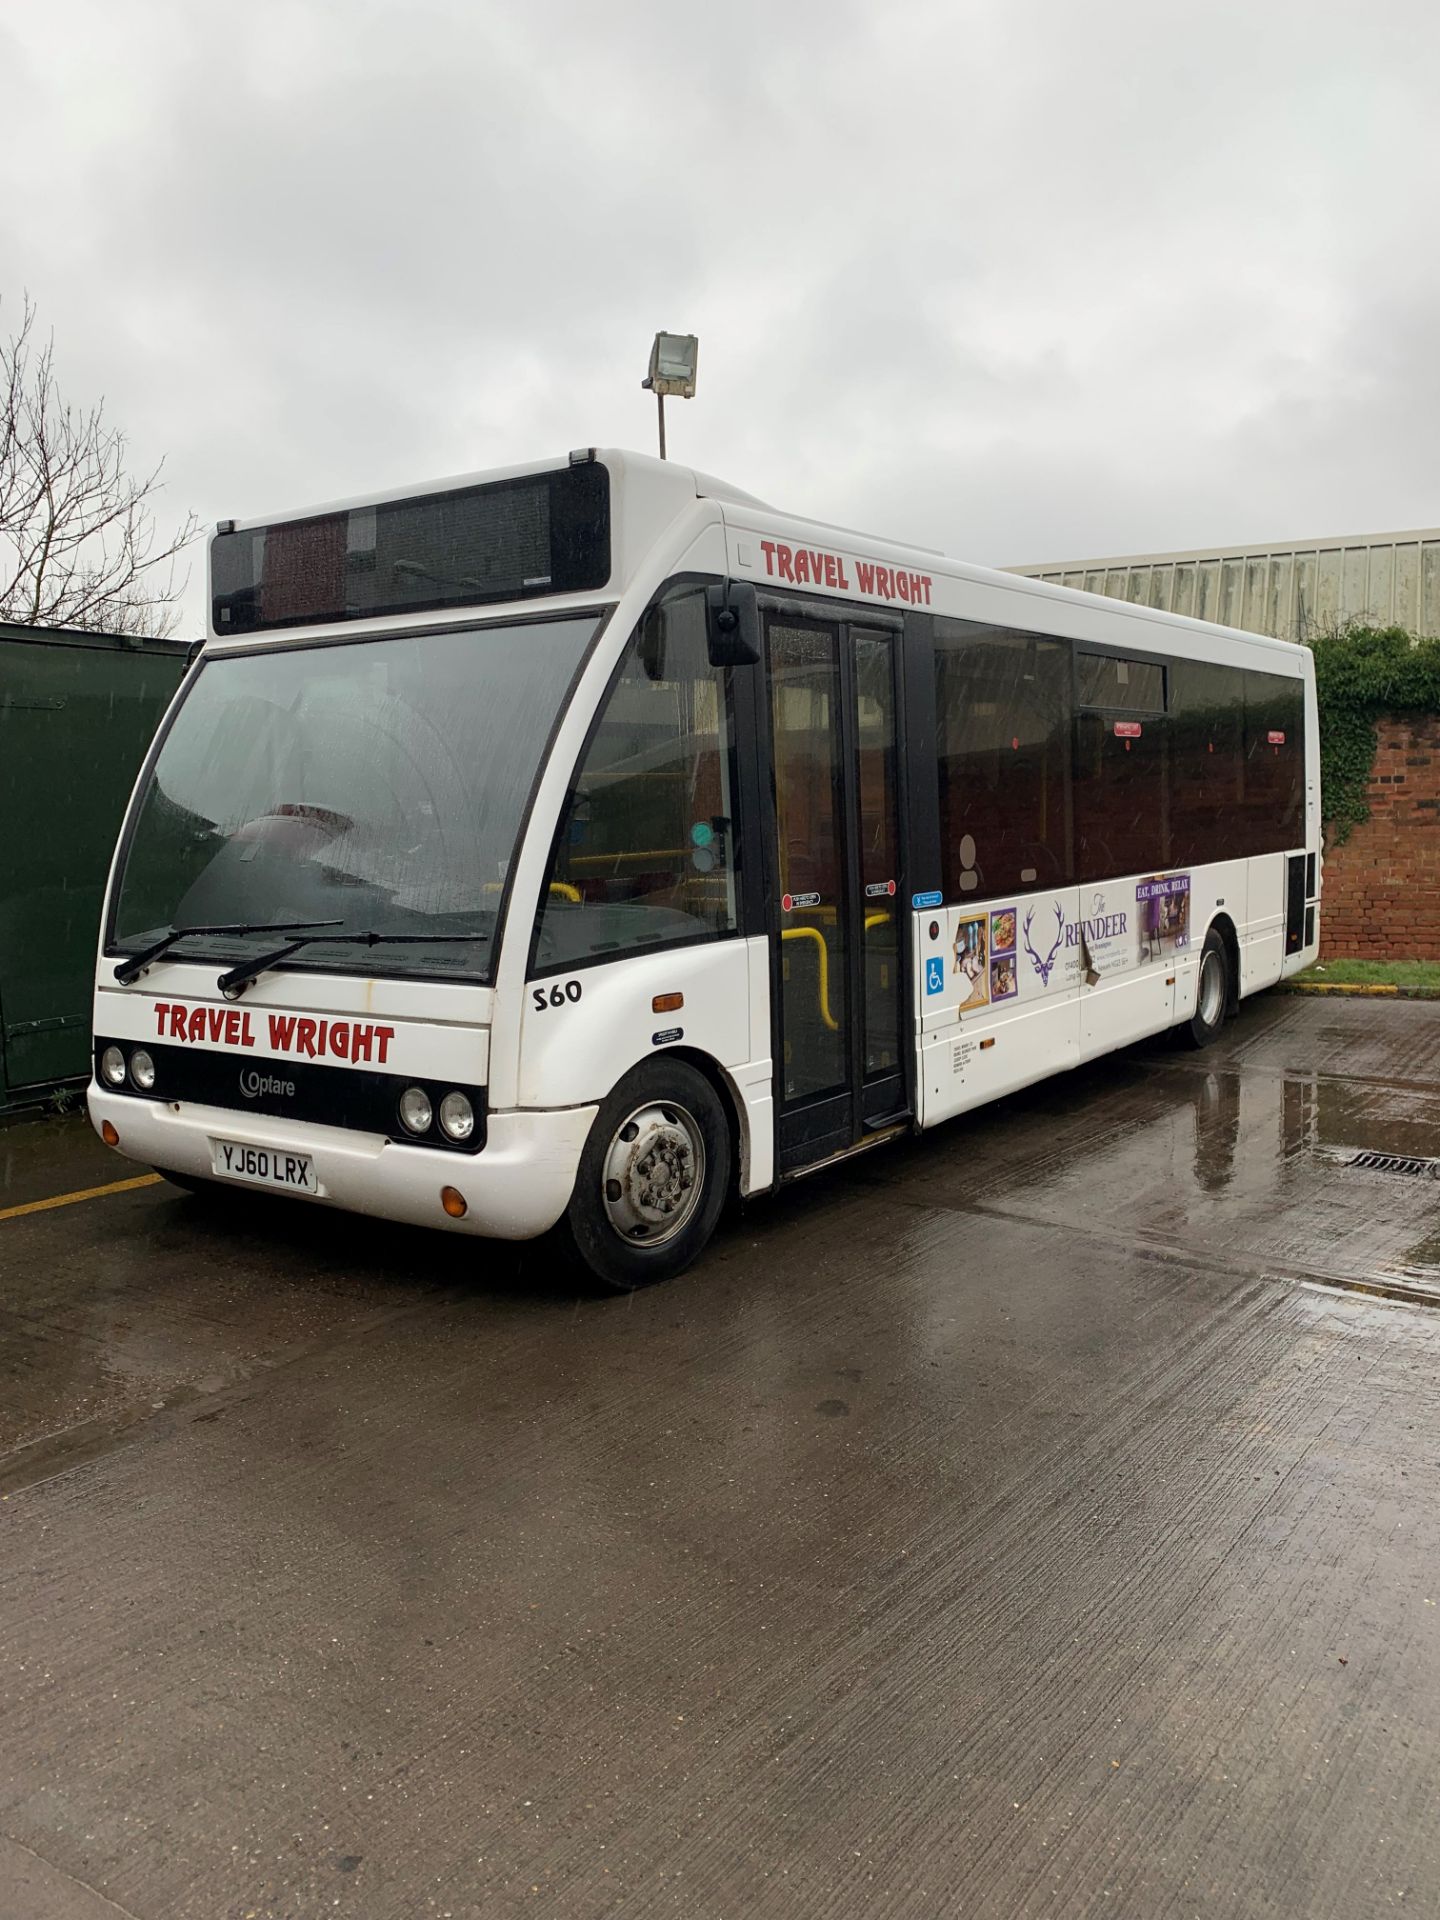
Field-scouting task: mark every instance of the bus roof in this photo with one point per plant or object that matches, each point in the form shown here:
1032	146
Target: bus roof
648	495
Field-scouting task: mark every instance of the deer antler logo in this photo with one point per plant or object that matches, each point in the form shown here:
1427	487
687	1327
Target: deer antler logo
1045	967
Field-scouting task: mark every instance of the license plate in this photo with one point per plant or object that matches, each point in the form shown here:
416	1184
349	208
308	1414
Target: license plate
264	1166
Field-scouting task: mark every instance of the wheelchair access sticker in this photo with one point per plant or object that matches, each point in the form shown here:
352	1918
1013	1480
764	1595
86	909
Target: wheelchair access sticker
935	973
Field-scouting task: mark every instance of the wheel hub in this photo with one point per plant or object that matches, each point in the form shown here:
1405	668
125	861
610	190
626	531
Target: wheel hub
653	1174
1212	990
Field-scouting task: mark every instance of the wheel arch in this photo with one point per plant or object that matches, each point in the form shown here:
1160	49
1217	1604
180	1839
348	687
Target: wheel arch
731	1105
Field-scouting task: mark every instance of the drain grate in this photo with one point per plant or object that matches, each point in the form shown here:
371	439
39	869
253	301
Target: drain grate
1397	1163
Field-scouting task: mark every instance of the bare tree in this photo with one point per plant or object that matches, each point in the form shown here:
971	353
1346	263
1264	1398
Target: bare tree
78	541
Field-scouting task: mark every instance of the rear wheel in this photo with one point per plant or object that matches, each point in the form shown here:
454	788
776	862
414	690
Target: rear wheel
1212	993
652	1179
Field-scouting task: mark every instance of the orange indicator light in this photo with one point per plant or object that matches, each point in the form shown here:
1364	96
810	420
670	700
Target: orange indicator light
108	1134
454	1202
987	1043
667	1003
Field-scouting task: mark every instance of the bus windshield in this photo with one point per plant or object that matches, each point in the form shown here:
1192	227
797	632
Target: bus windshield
377	783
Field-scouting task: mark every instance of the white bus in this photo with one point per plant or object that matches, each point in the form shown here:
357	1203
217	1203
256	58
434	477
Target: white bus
574	846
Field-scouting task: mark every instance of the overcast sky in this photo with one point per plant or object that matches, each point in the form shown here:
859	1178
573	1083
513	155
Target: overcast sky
1021	279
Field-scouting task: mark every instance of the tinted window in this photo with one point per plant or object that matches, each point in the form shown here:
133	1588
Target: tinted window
1003	726
1121	801
879	816
1237	763
646	852
1274	762
1175	762
1207	763
1119	686
805	702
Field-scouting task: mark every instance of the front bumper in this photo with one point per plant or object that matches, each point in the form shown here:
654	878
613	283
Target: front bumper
516	1187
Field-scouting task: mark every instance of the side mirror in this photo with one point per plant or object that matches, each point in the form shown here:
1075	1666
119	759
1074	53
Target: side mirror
652	649
733	624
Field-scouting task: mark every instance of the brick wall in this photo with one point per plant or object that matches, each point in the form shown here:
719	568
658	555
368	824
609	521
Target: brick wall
1382	888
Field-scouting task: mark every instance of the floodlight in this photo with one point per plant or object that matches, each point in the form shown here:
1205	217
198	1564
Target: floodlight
673	360
672	365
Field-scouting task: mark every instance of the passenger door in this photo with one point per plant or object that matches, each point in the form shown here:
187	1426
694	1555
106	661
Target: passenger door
839	986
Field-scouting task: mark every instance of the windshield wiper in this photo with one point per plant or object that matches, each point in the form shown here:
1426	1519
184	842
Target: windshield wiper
234	983
132	968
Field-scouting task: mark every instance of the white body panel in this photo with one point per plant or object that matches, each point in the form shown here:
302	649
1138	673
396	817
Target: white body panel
575	1049
1262	935
547	1064
516	1188
1075	999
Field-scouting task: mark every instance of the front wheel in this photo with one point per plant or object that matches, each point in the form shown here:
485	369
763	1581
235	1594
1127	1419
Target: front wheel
652	1179
1212	993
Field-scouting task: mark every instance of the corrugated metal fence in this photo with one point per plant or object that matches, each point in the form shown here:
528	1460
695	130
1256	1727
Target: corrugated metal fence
1292	591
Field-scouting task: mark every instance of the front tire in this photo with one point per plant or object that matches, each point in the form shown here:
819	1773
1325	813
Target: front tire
653	1177
1212	993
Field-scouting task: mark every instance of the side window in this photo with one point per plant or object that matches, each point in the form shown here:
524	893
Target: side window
1119	686
1207	763
1274	762
646	852
1002	702
1121	775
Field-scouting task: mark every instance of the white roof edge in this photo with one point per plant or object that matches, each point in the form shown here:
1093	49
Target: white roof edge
707	487
1078	596
1046	590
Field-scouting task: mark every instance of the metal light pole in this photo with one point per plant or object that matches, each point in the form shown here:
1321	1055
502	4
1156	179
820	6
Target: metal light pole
673	360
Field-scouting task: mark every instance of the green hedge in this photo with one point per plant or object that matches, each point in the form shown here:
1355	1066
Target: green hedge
1361	673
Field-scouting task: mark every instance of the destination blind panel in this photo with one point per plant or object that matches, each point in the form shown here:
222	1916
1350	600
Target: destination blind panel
511	540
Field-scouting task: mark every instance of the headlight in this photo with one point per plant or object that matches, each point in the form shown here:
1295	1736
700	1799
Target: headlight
112	1066
416	1113
142	1069
457	1116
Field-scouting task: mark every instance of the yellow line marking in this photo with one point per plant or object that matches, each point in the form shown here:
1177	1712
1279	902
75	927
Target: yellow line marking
1341	986
85	1193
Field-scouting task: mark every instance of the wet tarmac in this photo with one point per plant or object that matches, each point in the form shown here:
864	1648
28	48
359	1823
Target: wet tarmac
1033	1519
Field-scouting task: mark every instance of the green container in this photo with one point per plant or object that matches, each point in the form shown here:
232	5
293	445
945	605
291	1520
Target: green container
77	712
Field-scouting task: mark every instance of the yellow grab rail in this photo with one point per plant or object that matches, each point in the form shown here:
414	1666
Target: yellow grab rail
679	854
562	887
814	933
